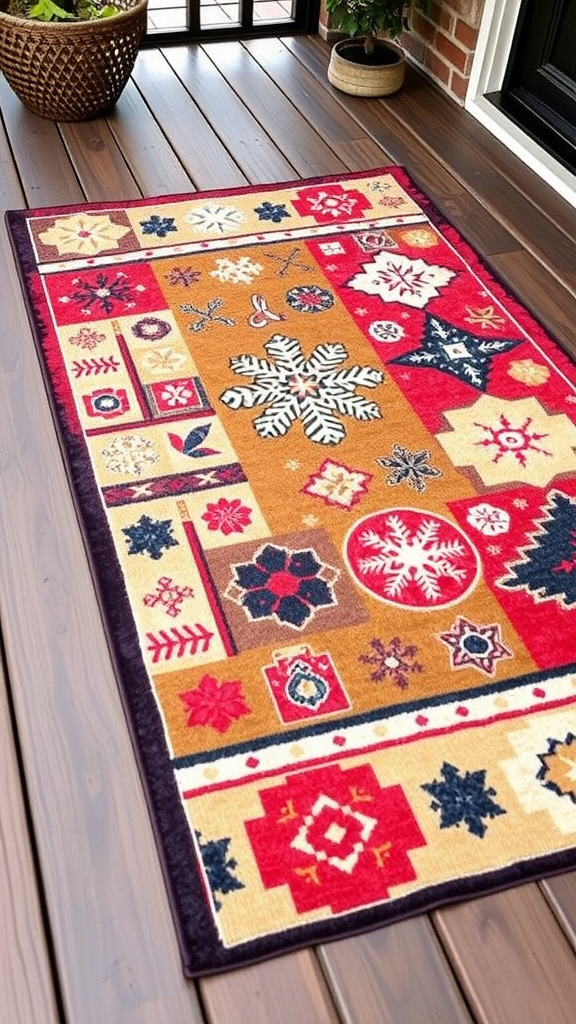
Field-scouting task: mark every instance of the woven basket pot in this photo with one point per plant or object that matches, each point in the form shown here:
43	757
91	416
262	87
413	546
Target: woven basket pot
71	71
381	78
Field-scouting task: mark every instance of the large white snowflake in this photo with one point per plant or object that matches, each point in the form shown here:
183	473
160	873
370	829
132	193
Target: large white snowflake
214	218
240	271
396	278
405	556
312	390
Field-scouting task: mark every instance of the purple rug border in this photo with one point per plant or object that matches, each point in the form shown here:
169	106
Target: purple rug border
192	918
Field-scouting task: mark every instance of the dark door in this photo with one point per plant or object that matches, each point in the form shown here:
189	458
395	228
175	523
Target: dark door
539	90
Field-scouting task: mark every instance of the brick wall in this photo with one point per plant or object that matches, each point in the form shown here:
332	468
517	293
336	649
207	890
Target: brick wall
441	42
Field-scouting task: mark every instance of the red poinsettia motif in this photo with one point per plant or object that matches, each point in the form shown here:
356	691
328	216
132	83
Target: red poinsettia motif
335	838
330	203
215	704
227	516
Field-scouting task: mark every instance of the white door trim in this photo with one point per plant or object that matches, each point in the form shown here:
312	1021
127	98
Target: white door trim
494	43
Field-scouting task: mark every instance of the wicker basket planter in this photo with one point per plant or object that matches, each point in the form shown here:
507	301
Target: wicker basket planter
71	71
349	72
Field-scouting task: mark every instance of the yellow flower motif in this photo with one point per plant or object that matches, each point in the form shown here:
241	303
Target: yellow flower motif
83	233
528	372
422	238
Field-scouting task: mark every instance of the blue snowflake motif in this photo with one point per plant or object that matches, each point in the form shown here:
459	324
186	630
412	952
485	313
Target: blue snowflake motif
282	584
150	536
159	226
274	212
103	292
463	799
408	467
219	867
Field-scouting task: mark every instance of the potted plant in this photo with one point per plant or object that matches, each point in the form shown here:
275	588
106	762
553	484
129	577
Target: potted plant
363	64
69	60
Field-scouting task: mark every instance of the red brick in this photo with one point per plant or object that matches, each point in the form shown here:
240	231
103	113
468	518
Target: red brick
466	34
458	86
451	53
440	16
423	27
437	67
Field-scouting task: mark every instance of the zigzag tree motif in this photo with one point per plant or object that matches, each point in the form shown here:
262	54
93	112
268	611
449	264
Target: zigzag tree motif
178	641
94	365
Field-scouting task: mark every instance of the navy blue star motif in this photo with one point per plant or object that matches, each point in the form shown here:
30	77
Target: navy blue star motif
274	212
452	350
150	536
159	226
557	771
219	867
547	569
463	799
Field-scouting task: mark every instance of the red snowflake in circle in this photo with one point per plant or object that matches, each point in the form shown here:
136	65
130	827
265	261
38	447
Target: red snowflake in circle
335	838
215	704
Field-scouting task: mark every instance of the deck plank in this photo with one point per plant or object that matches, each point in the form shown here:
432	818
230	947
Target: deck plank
395	975
301	144
27	993
287	990
513	960
254	150
561	895
152	161
193	140
99	164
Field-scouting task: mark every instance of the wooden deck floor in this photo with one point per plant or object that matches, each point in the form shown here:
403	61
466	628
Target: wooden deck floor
85	929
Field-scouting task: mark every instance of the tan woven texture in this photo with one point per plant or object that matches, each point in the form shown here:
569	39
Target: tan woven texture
71	71
362	79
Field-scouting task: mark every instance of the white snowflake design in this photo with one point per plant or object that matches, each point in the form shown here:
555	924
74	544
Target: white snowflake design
488	519
214	218
311	390
404	557
159	360
241	271
129	454
395	278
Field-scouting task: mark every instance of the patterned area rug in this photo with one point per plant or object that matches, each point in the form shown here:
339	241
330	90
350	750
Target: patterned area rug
326	471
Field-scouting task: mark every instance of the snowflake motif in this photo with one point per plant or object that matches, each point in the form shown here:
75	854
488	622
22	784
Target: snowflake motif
512	440
219	867
361	311
159	226
520	503
394	661
379	186
396	278
337	484
103	293
310	521
558	771
168	596
420	238
274	212
215	704
207	317
87	338
129	454
213	218
494	549
488	519
463	799
487	318
227	516
391	201
161	359
241	271
408	468
529	372
151	328
288	262
474	646
311	390
330	203
183	276
571	399
309	298
386	331
150	536
174	395
411	558
293	465
285	585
